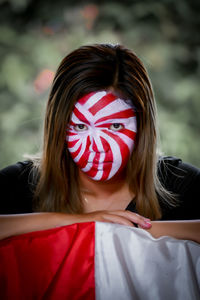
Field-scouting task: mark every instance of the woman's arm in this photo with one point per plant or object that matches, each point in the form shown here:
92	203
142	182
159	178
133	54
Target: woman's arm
16	224
184	230
22	223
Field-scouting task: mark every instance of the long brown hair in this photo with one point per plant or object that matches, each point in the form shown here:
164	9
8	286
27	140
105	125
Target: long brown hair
94	68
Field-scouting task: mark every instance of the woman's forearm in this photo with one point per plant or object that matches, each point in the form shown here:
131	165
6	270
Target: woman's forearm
184	230
22	223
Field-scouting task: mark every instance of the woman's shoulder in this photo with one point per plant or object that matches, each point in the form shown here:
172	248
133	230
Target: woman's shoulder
175	173
17	188
17	170
176	162
183	180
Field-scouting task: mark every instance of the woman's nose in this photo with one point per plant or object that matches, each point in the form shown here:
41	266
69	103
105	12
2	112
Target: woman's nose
105	144
99	144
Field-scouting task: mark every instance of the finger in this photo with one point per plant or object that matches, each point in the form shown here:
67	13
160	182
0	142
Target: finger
133	217
111	218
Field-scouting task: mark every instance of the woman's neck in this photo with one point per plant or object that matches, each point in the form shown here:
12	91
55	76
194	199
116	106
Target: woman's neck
105	195
101	188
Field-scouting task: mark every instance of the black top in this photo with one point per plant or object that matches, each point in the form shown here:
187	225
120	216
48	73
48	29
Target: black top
178	177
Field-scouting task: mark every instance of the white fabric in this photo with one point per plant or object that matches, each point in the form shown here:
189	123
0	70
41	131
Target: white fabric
131	264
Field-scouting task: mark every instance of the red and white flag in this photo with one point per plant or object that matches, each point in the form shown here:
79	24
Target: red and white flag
100	261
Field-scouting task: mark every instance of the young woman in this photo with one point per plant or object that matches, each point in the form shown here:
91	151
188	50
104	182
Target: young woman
99	160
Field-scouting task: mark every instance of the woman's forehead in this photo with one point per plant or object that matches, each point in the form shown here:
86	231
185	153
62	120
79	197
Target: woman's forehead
103	102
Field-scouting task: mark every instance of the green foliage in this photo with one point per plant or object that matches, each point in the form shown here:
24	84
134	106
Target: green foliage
36	35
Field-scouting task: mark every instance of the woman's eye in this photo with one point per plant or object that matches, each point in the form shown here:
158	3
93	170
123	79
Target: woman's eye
80	127
116	126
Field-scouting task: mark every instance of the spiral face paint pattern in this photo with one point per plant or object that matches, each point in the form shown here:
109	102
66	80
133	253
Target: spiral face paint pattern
101	134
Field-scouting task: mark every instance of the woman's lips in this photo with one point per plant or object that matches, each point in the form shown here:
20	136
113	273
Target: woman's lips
99	161
96	162
100	166
100	157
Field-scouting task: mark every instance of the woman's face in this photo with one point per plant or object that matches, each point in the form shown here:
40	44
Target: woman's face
101	134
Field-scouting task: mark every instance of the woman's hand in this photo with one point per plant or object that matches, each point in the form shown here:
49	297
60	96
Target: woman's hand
117	216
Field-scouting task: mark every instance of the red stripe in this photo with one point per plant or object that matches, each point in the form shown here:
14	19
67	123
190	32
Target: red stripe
71	123
80	116
71	133
84	160
94	146
105	144
85	98
92	172
119	115
105	125
101	103
52	264
71	144
131	134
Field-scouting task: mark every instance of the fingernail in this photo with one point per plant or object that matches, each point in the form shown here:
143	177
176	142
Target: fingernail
147	224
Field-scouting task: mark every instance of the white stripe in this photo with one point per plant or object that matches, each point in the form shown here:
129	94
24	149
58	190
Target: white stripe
72	138
130	264
98	176
132	124
102	157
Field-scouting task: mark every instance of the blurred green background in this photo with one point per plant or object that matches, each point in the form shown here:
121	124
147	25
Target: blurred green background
35	35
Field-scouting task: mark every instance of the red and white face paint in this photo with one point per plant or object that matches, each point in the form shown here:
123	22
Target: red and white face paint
101	134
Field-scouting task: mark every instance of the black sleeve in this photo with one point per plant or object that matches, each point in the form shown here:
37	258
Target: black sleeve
182	179
16	192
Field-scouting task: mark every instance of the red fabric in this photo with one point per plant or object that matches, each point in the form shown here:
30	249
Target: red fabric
51	264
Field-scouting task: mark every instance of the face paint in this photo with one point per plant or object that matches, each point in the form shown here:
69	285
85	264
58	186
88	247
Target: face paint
101	134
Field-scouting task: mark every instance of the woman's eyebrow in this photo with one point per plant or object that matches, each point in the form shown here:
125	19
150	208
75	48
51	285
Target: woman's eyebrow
103	124
119	115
